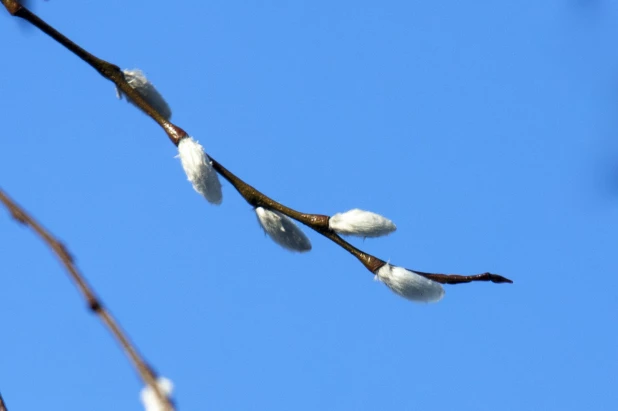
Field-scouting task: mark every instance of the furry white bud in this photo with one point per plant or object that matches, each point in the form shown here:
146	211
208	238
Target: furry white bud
409	284
282	230
197	166
149	396
138	81
361	223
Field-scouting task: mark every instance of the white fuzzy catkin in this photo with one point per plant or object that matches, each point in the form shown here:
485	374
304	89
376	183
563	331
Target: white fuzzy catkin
197	166
138	81
282	230
149	396
410	285
361	223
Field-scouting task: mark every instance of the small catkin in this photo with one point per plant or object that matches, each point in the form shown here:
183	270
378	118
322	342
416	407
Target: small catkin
138	81
409	284
282	230
361	223
199	171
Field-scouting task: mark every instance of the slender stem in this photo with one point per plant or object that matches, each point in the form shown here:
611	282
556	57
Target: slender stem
460	279
317	222
94	303
254	197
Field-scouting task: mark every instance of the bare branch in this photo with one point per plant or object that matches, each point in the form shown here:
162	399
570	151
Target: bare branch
94	303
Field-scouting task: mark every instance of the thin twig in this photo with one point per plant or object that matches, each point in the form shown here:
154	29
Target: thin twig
94	303
254	197
461	279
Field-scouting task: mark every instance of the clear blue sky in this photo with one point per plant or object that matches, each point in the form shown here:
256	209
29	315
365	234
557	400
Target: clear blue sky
487	131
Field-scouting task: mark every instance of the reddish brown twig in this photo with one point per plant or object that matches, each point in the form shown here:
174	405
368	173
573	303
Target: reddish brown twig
94	303
254	197
460	279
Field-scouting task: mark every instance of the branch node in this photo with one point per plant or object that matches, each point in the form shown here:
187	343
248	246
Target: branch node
95	306
18	216
65	252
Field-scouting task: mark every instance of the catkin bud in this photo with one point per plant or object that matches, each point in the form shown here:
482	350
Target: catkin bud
199	171
410	285
282	230
138	81
149	396
361	223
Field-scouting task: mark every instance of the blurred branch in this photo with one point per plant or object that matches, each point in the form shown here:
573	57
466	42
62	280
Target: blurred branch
94	303
2	404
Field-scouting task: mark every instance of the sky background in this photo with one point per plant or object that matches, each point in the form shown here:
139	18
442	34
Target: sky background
487	131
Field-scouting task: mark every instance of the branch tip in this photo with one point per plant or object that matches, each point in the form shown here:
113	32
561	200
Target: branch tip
460	279
498	279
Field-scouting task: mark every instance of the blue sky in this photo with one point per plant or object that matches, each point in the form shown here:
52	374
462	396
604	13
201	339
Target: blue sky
485	130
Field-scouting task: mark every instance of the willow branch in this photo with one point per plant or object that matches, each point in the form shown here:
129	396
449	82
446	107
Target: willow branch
317	222
94	303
